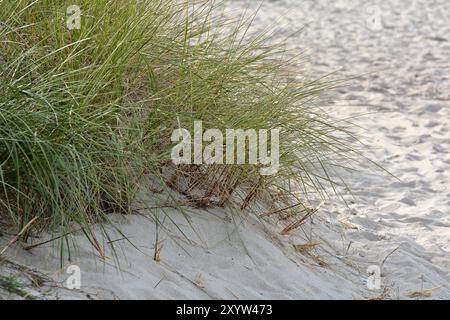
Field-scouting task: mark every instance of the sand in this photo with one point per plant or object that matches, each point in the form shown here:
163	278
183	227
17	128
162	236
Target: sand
400	51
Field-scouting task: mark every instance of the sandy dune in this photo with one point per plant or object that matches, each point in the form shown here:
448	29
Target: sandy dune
400	51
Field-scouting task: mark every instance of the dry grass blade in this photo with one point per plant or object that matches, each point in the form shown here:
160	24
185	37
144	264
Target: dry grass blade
14	240
298	223
266	214
421	294
307	250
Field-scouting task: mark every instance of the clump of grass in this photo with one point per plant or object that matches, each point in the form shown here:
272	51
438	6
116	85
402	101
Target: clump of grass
13	286
86	115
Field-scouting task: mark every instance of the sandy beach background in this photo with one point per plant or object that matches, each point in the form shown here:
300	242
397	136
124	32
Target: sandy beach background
399	53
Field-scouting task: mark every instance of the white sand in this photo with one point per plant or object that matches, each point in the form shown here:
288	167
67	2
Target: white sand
407	90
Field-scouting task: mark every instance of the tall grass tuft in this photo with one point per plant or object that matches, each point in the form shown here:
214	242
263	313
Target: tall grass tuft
86	115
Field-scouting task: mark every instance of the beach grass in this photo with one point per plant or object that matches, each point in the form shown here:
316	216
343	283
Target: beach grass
87	114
